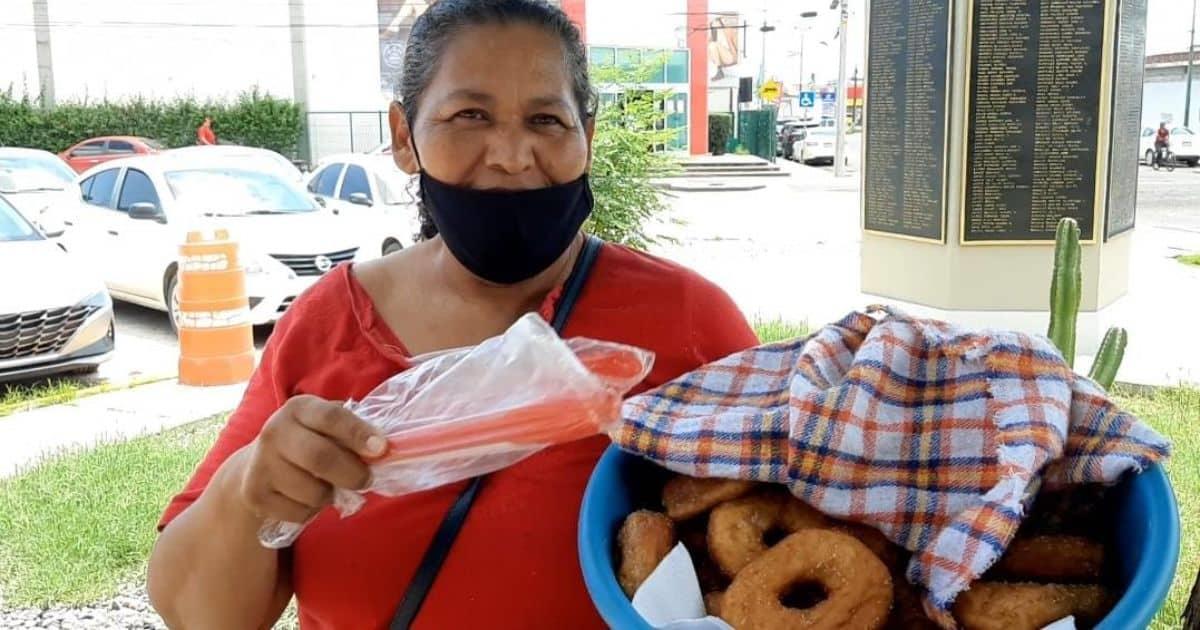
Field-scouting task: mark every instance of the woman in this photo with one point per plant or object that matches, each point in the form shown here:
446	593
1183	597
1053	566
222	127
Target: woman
496	120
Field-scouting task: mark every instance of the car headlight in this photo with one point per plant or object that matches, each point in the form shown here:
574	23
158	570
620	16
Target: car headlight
99	299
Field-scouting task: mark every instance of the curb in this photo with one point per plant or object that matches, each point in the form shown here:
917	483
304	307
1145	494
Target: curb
83	392
712	186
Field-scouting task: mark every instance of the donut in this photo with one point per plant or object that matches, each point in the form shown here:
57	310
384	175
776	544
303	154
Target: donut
737	529
712	603
1052	559
908	611
688	497
644	540
857	588
1027	606
892	555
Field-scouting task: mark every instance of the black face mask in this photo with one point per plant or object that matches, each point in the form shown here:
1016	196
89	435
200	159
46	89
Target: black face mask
507	237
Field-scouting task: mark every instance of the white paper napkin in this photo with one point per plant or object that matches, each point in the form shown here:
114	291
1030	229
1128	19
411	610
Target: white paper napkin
670	598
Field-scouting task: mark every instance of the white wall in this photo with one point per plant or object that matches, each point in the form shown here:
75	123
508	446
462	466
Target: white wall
18	48
649	23
118	49
163	49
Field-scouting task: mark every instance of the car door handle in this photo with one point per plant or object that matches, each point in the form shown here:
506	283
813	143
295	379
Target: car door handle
68	223
114	232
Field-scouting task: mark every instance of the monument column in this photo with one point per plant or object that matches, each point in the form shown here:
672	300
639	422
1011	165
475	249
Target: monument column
986	122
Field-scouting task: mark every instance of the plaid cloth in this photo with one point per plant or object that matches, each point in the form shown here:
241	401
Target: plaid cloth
937	435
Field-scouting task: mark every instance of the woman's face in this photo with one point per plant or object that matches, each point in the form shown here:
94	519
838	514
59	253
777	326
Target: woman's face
499	114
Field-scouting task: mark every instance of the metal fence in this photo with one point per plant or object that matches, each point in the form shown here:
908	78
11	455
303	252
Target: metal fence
329	133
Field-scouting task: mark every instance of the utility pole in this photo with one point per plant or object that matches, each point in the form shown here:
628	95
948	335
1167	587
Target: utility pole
1187	97
839	155
45	61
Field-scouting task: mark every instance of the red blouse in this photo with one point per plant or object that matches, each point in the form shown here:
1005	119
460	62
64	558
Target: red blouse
514	564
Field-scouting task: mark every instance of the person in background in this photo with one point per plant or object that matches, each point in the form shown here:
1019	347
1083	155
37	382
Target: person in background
204	133
496	117
1162	142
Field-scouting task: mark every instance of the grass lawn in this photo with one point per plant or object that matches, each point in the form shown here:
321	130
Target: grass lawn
16	398
772	330
77	527
1176	414
1189	259
52	392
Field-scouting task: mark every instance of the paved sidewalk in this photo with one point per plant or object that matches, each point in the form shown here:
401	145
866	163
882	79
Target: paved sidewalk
28	437
792	251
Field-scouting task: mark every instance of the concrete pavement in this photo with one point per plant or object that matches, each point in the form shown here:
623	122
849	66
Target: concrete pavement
29	437
791	250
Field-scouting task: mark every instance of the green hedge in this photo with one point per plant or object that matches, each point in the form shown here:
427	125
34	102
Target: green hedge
720	129
254	119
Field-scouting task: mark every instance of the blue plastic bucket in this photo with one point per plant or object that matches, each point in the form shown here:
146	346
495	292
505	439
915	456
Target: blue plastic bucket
1147	535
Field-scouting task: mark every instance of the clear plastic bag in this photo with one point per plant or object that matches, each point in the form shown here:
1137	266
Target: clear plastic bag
462	413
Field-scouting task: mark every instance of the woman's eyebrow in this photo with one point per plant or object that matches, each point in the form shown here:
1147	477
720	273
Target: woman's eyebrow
471	95
548	101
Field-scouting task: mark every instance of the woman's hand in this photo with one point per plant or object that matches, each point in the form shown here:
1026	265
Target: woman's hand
305	450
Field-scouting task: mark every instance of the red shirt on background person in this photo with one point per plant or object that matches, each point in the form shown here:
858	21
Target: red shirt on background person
497	120
204	133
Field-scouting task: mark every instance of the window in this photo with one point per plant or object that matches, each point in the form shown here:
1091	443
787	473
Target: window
137	189
1147	132
1181	131
120	146
677	67
656	60
326	180
95	147
601	56
628	58
355	182
98	188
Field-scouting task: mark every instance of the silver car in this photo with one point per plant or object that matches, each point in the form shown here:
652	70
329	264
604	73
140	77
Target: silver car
54	316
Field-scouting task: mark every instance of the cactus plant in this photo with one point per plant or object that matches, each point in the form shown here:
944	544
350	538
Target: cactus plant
1065	286
1108	357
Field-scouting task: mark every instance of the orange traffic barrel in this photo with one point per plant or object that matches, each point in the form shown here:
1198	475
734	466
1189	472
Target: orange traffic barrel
216	343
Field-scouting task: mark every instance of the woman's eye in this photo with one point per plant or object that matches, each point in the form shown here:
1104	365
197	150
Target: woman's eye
546	119
471	114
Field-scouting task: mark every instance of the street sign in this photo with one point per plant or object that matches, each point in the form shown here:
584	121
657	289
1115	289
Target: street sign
808	99
829	97
769	91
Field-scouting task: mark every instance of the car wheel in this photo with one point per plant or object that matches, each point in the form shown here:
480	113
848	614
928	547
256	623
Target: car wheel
391	246
171	298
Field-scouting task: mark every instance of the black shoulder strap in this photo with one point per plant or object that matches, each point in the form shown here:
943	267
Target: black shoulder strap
443	539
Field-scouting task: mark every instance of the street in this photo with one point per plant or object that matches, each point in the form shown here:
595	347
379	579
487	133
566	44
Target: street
797	228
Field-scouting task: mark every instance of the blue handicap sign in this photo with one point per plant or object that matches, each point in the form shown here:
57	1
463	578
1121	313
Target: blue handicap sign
808	99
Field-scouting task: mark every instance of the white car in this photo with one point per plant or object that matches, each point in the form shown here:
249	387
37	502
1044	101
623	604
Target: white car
1184	145
54	316
41	186
138	210
252	158
363	186
817	145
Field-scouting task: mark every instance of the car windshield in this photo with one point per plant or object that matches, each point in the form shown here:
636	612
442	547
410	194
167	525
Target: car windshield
234	192
1182	131
35	172
13	226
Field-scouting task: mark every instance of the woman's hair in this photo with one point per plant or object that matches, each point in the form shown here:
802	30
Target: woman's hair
444	19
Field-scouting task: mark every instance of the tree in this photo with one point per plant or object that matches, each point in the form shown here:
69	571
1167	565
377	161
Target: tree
628	152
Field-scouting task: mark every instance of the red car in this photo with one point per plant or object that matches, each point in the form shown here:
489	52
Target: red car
94	151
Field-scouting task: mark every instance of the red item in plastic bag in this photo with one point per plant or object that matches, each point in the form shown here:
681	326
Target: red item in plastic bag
463	413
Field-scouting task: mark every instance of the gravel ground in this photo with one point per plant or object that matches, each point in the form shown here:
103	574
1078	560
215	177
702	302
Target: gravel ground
130	610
